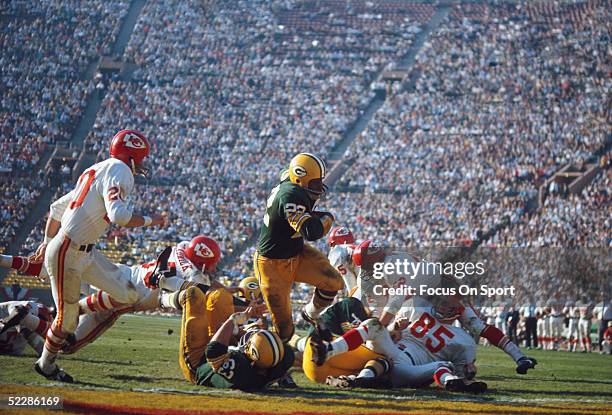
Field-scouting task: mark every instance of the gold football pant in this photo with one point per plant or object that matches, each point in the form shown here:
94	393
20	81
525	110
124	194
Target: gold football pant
203	314
276	277
349	363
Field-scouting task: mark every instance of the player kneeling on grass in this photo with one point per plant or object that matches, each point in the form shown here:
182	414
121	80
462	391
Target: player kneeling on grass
413	362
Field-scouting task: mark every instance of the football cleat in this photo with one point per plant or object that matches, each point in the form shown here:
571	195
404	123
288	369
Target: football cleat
58	374
525	363
319	348
459	385
161	266
16	317
287	382
352	381
318	327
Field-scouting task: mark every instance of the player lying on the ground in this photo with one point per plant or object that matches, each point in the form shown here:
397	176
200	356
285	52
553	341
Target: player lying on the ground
186	264
414	362
209	327
23	322
368	253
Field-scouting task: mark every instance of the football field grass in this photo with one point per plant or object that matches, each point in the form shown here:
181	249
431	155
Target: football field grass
133	369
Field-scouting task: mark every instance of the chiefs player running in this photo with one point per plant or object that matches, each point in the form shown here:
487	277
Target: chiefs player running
99	198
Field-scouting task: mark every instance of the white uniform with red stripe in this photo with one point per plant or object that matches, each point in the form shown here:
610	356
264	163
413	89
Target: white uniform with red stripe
180	270
428	339
341	258
427	346
99	198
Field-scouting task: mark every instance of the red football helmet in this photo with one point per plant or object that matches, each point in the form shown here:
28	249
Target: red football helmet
204	252
131	147
368	253
340	235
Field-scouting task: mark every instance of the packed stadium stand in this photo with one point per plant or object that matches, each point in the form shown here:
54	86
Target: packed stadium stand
506	94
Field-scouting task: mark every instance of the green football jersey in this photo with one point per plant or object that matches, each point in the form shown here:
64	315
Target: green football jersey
288	207
343	316
236	371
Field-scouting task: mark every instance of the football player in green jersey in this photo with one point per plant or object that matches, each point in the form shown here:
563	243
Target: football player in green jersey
282	257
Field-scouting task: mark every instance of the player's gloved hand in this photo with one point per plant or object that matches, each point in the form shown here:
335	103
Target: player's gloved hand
327	219
525	363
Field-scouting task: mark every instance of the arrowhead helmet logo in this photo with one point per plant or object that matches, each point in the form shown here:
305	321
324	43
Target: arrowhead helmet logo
133	141
342	231
203	251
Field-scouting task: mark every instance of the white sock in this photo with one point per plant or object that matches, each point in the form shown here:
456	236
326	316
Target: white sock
366	372
312	311
513	351
47	361
301	344
170	300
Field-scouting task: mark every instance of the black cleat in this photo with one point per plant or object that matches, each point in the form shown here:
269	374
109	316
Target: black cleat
476	387
14	318
353	381
287	382
161	266
525	363
459	385
319	348
58	374
319	328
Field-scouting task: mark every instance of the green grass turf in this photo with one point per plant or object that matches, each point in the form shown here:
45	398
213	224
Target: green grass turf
140	353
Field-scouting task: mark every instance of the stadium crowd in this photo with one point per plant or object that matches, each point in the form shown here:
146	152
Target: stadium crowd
229	109
46	47
495	111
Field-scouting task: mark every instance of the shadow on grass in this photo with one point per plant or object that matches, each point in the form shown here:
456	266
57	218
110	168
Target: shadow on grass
147	379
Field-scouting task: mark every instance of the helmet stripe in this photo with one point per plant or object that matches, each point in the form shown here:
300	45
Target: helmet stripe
275	350
319	162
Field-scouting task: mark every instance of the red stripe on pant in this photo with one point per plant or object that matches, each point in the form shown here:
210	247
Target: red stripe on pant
60	283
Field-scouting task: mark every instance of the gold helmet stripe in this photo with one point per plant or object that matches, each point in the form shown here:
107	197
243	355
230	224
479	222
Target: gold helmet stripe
319	162
275	349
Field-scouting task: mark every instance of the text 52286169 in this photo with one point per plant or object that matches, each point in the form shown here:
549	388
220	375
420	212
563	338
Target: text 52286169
17	401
